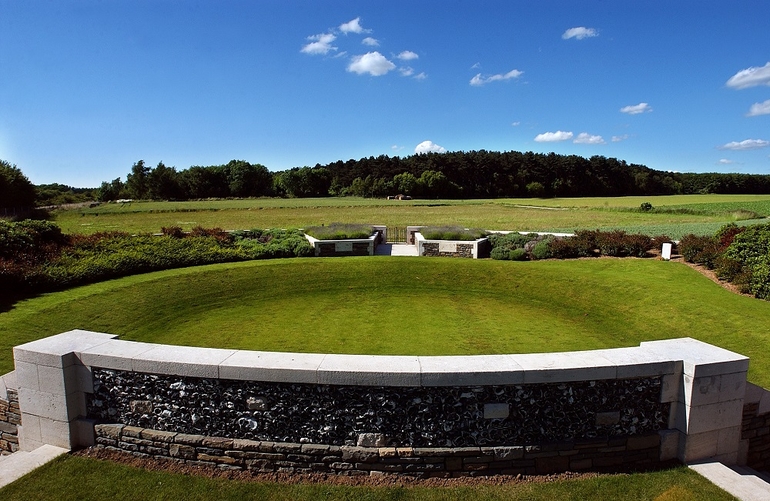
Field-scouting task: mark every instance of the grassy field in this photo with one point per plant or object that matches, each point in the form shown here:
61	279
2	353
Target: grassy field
672	215
75	478
410	306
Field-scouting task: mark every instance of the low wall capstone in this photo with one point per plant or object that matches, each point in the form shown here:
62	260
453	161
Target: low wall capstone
674	399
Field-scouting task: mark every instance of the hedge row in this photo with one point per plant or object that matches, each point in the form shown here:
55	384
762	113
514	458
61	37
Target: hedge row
585	243
36	257
740	255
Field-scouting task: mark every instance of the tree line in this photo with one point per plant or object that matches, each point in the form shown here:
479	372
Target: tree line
474	174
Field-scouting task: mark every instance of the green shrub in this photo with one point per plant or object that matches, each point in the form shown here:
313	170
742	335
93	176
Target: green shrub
451	233
637	245
697	248
645	207
517	255
339	231
541	250
500	253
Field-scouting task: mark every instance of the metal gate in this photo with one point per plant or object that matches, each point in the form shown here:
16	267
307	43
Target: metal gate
396	234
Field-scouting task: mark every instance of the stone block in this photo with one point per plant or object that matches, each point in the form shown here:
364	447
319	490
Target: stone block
507	453
387	452
158	435
26	375
241	444
607	418
271	366
82	433
43	404
713	416
470	370
112	431
580	464
636	362
564	367
669	444
699	359
496	410
58	433
370	370
695	447
60	350
372	440
181	361
728	440
671	387
115	354
643	442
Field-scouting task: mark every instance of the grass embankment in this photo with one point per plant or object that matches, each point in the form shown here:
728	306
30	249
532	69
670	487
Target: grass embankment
409	306
672	215
75	478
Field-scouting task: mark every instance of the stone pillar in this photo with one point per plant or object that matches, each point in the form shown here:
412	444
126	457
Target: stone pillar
708	410
52	386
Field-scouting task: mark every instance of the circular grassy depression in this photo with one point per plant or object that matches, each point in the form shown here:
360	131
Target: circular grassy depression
414	306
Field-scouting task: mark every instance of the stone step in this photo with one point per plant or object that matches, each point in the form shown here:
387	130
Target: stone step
20	463
740	481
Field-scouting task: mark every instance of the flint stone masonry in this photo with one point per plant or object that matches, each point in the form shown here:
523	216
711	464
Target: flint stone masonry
700	392
399	416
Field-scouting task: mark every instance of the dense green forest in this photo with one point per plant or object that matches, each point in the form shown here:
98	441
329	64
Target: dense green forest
474	174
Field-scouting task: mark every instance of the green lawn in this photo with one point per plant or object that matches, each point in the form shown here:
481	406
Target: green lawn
419	306
75	478
706	213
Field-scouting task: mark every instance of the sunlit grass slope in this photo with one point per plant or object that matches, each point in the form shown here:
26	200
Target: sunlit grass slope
416	306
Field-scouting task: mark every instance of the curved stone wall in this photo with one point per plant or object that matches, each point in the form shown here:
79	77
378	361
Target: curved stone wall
677	398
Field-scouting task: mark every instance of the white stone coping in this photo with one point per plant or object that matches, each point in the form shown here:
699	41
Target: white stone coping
655	358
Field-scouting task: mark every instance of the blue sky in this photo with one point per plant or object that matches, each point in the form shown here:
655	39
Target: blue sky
90	87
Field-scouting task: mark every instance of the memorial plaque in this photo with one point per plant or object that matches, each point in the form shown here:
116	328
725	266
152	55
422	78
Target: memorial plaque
447	247
666	251
343	246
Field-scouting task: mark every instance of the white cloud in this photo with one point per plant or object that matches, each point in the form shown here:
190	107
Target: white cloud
580	33
320	44
725	161
371	42
759	109
476	66
478	80
407	55
515	124
373	63
429	147
636	109
617	139
406	71
353	26
746	144
586	138
421	76
551	137
750	77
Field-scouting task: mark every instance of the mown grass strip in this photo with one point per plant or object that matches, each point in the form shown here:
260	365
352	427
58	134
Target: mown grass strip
76	478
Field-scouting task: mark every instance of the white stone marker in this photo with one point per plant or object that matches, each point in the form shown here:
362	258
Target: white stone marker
666	251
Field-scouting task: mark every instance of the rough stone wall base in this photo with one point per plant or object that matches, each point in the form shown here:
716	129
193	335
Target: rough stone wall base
601	454
10	417
755	431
